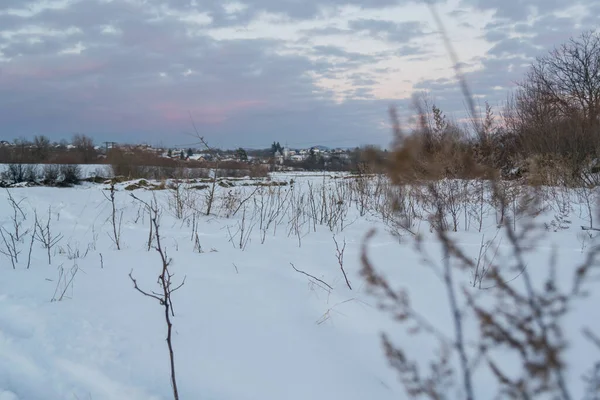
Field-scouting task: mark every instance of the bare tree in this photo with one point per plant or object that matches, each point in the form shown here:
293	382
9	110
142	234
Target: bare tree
41	148
85	147
569	76
554	114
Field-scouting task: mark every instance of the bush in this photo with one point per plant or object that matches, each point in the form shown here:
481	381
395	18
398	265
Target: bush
50	174
31	173
17	173
71	174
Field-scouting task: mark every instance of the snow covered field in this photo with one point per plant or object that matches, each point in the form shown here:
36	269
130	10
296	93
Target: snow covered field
247	325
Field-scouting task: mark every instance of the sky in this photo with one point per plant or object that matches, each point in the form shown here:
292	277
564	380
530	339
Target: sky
300	72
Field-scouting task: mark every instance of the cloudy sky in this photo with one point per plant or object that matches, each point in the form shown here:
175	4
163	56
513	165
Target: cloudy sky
250	72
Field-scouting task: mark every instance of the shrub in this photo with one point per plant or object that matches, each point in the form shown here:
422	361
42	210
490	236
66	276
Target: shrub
50	174
15	173
31	173
18	172
71	174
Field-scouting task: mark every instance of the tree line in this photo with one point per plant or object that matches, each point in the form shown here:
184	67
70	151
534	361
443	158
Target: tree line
547	132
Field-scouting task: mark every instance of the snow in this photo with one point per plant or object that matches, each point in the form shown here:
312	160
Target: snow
246	325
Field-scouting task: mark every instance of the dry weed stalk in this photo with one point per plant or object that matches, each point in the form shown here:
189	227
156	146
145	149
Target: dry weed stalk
65	281
270	208
297	217
31	242
11	249
243	233
231	203
164	297
177	199
362	188
526	321
18	216
588	195
483	262
11	238
311	276
44	235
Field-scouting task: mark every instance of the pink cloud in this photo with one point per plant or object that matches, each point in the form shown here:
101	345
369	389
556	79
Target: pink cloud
208	115
65	71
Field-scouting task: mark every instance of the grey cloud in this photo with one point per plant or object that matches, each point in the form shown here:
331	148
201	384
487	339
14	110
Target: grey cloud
549	30
496	72
400	32
28	48
507	60
591	17
546	32
10	22
458	13
114	89
351	59
362	79
327	31
511	47
495	35
16	4
411	50
339	52
87	14
240	92
293	9
362	93
546	23
518	10
307	9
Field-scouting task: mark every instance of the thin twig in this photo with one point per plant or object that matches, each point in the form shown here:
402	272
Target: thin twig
310	276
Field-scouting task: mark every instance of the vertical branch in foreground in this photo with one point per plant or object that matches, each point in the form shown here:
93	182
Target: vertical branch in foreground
457	317
211	195
165	283
408	151
116	224
31	245
340	257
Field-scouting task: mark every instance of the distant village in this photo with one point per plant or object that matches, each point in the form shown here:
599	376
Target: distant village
278	155
83	149
309	158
